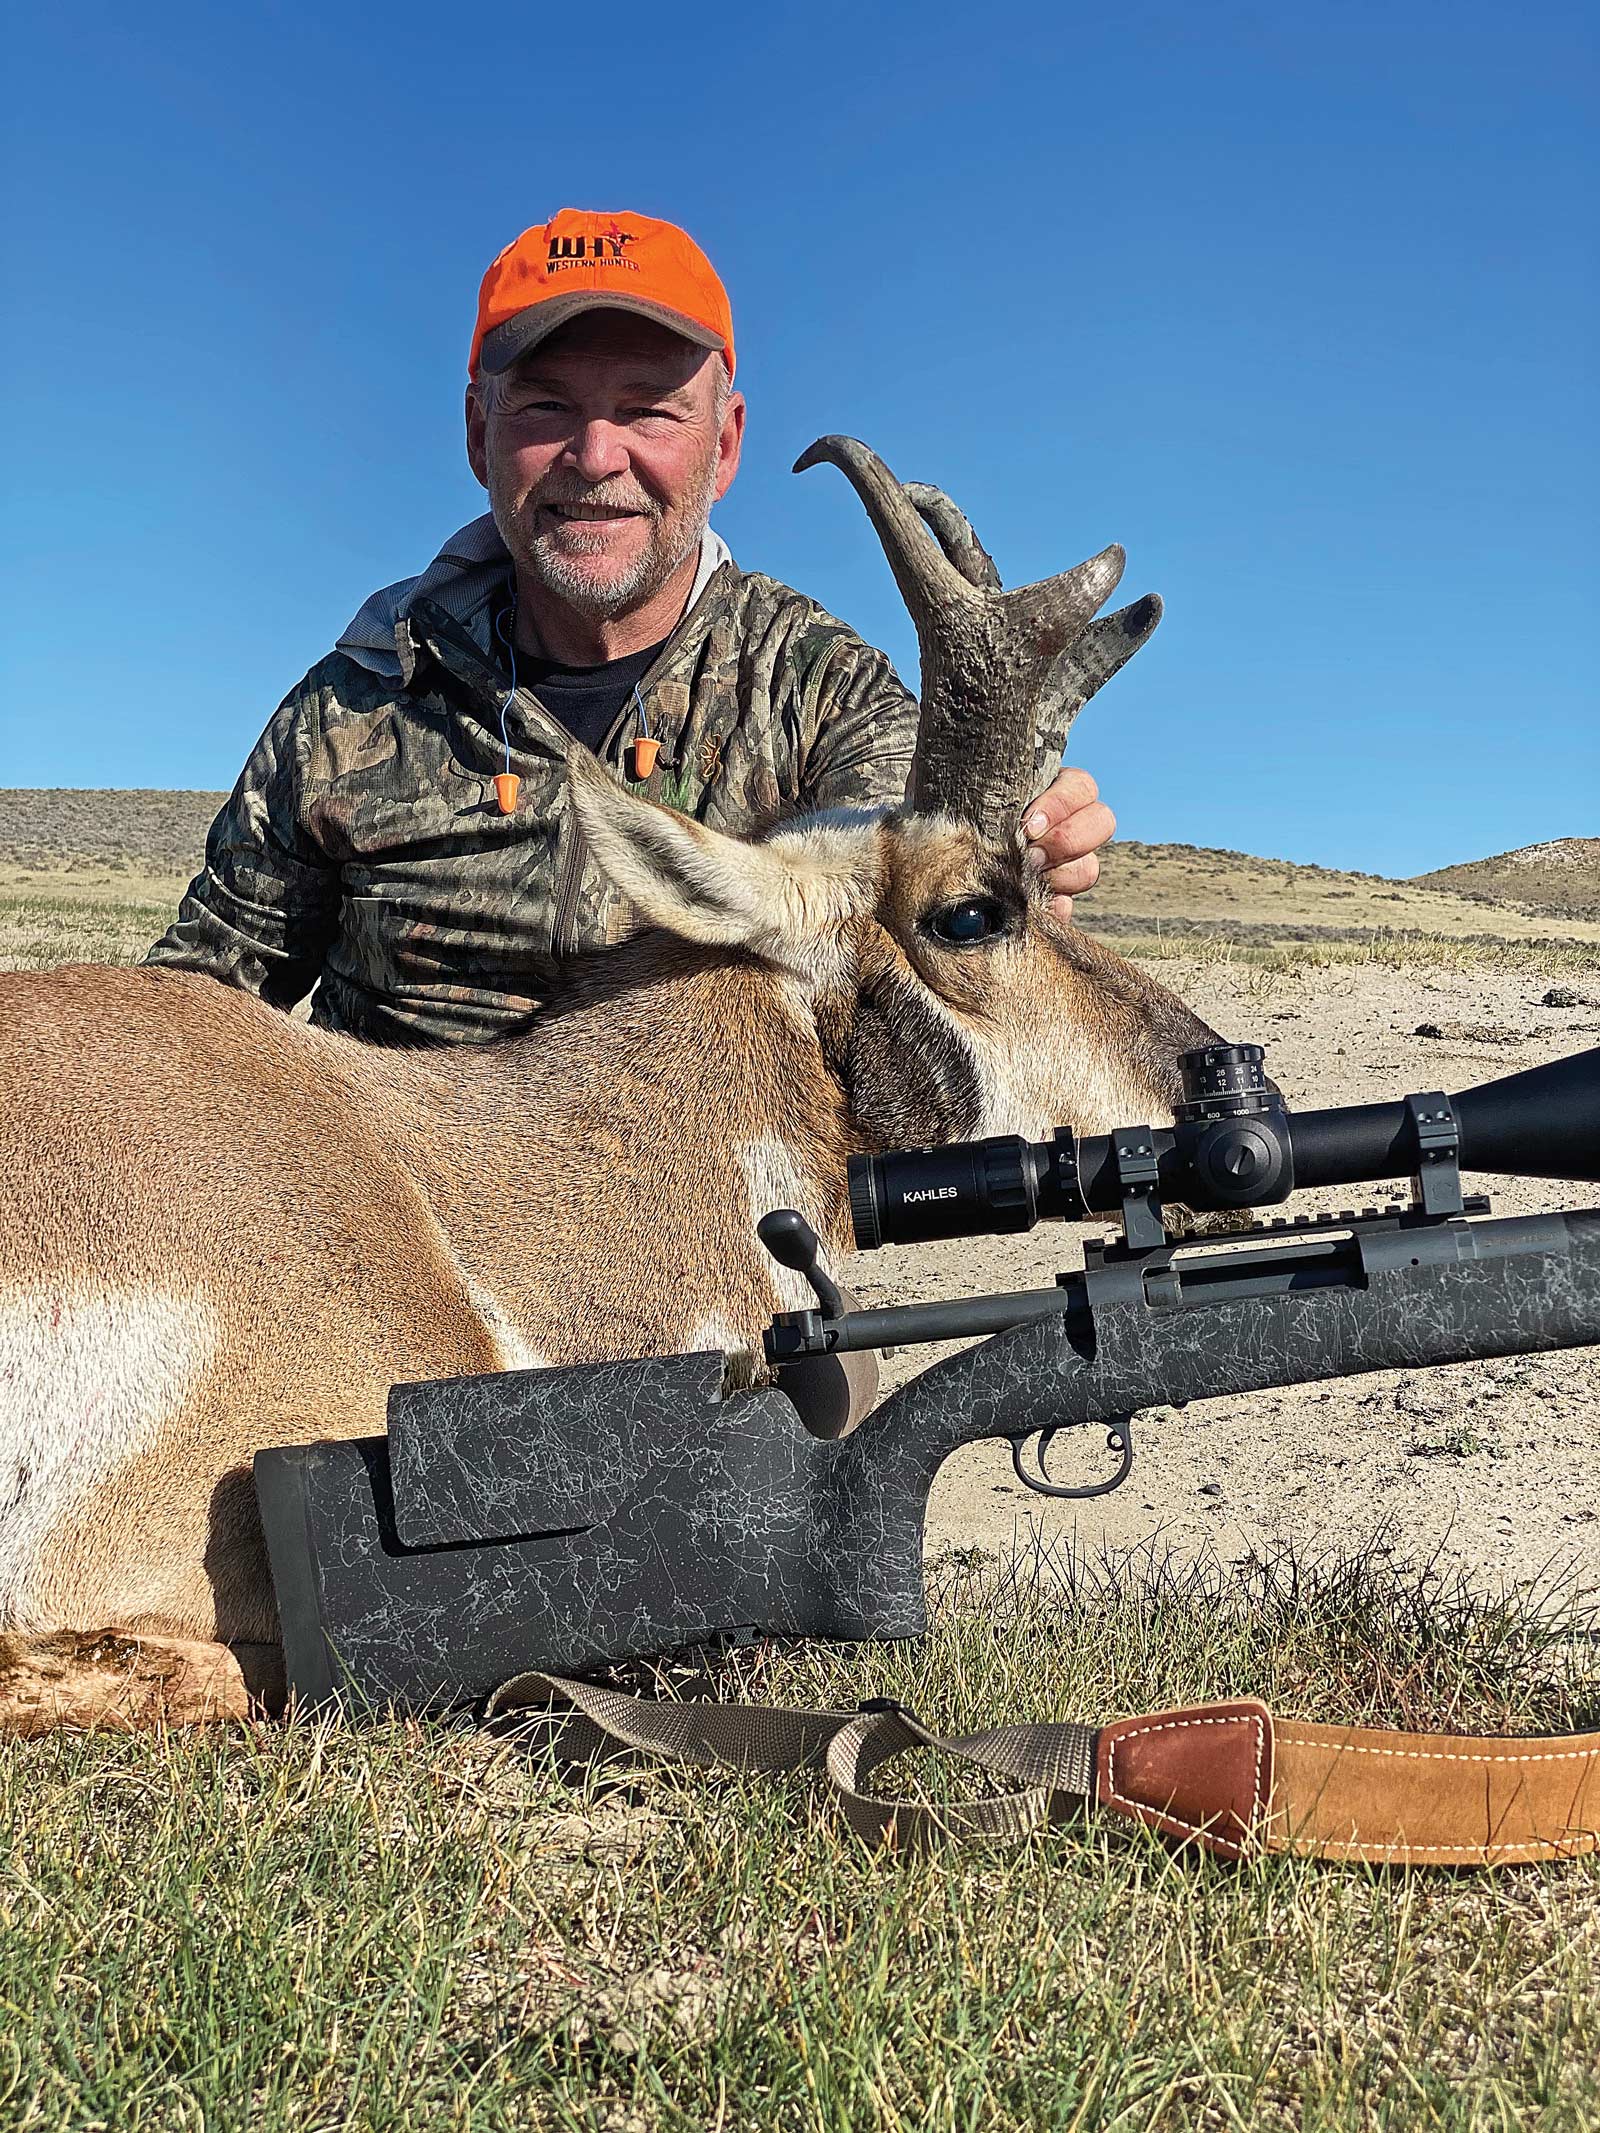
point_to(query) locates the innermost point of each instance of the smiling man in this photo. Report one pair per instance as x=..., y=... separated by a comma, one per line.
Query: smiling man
x=400, y=839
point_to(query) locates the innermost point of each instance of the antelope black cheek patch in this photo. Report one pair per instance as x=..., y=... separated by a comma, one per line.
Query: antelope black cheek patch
x=911, y=1079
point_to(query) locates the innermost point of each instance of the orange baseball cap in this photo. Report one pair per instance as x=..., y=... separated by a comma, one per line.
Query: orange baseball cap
x=586, y=262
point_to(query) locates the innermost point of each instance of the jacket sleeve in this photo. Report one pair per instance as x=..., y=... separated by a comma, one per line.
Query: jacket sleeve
x=263, y=909
x=864, y=730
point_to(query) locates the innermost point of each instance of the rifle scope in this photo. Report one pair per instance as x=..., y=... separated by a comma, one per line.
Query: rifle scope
x=1233, y=1143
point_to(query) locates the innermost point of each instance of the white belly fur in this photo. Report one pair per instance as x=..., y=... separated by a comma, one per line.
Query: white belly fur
x=86, y=1384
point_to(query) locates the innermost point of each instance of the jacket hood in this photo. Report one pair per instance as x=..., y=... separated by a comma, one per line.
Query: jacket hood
x=463, y=580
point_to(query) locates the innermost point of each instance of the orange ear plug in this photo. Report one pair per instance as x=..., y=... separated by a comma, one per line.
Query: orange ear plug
x=644, y=752
x=506, y=786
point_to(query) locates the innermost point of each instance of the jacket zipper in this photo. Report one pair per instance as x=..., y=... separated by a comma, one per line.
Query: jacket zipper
x=563, y=927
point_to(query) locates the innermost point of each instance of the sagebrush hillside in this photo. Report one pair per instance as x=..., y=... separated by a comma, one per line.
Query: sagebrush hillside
x=1563, y=875
x=137, y=832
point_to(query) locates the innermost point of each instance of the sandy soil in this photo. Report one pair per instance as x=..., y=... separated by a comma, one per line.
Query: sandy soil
x=1496, y=1466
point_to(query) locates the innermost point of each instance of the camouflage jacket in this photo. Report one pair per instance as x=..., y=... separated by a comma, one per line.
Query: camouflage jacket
x=362, y=852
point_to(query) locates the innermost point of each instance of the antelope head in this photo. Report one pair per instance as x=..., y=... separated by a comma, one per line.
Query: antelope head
x=947, y=999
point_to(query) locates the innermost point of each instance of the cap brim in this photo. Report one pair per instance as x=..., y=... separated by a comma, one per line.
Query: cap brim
x=513, y=337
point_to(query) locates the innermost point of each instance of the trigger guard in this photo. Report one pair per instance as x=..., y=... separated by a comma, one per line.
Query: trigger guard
x=1119, y=1438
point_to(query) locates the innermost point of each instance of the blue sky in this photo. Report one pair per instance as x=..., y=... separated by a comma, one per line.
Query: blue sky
x=1297, y=303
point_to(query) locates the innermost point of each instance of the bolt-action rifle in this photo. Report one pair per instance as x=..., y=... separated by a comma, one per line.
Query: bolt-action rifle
x=561, y=1519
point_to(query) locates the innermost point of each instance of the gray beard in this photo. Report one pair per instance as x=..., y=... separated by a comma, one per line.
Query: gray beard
x=559, y=572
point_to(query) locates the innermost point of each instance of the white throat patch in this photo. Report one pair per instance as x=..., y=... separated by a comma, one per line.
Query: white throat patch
x=775, y=1179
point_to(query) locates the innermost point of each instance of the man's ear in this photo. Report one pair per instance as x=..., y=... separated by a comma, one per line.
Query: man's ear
x=477, y=441
x=780, y=903
x=729, y=444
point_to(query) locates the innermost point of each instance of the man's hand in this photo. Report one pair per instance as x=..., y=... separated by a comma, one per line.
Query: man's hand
x=1065, y=828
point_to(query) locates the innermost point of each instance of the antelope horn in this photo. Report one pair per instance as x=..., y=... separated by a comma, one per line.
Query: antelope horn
x=985, y=653
x=922, y=571
x=956, y=537
x=1087, y=664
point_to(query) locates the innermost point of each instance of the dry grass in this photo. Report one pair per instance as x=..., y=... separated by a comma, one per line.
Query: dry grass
x=1185, y=887
x=117, y=841
x=1281, y=957
x=68, y=918
x=406, y=1925
x=93, y=913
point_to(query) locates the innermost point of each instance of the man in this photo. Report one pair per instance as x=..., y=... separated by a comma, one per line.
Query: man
x=400, y=838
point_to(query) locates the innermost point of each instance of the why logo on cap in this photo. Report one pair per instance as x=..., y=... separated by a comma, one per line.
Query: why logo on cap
x=608, y=246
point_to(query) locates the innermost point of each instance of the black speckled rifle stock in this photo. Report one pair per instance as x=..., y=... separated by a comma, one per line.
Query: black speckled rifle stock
x=557, y=1519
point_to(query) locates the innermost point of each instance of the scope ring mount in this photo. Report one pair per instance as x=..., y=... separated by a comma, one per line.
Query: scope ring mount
x=1119, y=1438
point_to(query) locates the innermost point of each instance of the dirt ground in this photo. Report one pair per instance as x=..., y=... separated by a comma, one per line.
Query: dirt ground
x=1493, y=1466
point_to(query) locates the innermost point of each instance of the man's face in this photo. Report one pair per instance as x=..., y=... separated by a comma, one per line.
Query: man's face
x=603, y=452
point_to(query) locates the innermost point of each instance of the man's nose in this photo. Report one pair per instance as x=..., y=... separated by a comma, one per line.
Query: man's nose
x=597, y=451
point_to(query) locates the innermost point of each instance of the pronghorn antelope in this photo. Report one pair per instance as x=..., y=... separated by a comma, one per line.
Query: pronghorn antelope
x=221, y=1229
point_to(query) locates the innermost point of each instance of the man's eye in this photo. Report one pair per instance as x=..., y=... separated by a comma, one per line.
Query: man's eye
x=967, y=924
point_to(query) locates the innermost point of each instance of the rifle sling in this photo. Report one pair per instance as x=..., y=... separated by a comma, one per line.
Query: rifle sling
x=1226, y=1776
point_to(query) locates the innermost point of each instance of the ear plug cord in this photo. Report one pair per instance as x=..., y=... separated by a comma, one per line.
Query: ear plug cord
x=507, y=784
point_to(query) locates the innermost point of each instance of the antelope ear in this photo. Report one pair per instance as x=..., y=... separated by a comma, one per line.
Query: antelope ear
x=697, y=882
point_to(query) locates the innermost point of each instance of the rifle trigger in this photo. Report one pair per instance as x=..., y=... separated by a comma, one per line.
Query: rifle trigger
x=1119, y=1438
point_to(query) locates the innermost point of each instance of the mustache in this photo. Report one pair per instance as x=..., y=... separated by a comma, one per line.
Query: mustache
x=607, y=495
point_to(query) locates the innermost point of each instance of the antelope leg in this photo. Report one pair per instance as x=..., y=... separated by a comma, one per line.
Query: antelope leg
x=81, y=1679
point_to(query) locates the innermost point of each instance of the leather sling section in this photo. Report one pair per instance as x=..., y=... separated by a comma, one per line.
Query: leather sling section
x=1226, y=1776
x=1435, y=1799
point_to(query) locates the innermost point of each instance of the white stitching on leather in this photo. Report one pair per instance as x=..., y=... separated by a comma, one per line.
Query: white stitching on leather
x=1207, y=1831
x=1395, y=1851
x=1432, y=1755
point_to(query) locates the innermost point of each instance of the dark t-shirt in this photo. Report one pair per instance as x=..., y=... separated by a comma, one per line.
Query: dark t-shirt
x=588, y=700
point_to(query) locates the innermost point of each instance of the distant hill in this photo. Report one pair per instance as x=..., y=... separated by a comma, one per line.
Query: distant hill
x=110, y=840
x=1563, y=875
x=127, y=832
x=1184, y=888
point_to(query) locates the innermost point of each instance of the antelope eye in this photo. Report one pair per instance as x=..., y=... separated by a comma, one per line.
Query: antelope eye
x=966, y=924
